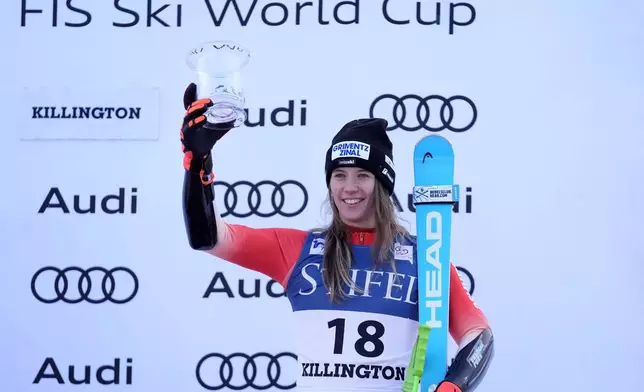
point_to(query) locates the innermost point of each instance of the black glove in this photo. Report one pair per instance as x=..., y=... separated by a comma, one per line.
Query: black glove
x=198, y=141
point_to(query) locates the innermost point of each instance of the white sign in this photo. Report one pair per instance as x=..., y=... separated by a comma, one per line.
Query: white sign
x=100, y=113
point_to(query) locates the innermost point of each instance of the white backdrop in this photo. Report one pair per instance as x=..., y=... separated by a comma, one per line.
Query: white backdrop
x=553, y=238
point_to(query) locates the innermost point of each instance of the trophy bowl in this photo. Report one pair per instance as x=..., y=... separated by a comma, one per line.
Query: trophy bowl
x=219, y=65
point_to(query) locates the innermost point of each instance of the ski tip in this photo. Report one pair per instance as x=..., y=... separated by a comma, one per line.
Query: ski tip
x=431, y=147
x=434, y=139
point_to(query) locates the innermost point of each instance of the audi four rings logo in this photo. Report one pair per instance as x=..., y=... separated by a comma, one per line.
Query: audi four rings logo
x=433, y=113
x=94, y=285
x=265, y=199
x=238, y=371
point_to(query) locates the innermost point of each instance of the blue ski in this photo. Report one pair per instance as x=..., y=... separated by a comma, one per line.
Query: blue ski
x=434, y=194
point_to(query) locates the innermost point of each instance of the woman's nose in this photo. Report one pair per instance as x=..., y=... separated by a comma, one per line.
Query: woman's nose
x=351, y=185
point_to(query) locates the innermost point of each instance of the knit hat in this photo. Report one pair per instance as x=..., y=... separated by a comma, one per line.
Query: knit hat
x=363, y=143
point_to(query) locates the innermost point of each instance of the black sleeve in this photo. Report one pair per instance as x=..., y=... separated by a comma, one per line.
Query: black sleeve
x=471, y=363
x=199, y=212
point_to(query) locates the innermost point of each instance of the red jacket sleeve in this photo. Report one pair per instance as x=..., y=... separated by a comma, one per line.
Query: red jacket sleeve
x=464, y=315
x=270, y=251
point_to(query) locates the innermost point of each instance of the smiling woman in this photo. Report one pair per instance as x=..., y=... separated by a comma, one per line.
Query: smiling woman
x=352, y=190
x=353, y=285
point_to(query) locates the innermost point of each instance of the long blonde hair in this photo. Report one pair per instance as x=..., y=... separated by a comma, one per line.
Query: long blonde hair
x=337, y=257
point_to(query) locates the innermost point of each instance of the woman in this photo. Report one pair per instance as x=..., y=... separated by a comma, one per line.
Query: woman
x=354, y=293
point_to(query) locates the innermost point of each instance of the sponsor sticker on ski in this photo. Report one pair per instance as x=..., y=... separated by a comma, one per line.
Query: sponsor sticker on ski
x=436, y=194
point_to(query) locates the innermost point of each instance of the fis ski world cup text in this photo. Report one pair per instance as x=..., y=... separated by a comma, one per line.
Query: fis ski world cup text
x=444, y=16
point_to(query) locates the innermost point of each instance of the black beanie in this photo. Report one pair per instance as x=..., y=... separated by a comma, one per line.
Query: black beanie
x=363, y=143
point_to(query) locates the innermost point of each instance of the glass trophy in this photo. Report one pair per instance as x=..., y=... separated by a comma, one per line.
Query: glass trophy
x=218, y=65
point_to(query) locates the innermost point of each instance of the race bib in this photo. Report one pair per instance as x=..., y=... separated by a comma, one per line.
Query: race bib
x=345, y=350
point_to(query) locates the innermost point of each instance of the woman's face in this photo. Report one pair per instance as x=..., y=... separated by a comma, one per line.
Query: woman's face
x=352, y=190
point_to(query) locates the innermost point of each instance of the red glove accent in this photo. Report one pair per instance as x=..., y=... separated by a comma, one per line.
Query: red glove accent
x=446, y=386
x=193, y=118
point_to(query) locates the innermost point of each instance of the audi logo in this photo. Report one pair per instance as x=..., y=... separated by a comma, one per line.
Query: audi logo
x=400, y=250
x=265, y=199
x=467, y=278
x=433, y=113
x=55, y=286
x=238, y=371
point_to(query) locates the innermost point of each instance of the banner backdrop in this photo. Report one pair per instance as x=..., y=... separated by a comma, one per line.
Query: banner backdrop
x=542, y=101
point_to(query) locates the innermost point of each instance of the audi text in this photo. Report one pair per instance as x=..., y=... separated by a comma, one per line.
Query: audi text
x=119, y=372
x=244, y=289
x=285, y=116
x=120, y=203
